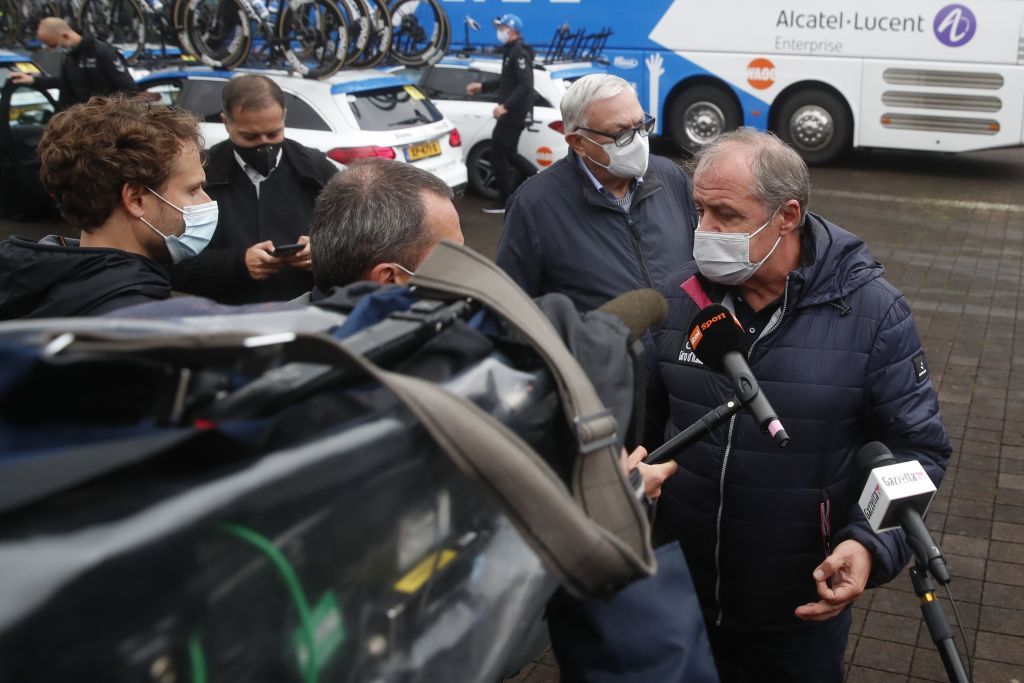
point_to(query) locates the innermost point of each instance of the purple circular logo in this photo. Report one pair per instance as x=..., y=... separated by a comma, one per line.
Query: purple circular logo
x=954, y=25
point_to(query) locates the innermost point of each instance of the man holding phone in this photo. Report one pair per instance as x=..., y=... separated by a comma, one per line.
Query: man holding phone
x=266, y=186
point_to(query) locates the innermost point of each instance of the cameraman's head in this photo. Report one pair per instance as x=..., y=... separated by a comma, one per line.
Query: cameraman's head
x=124, y=173
x=377, y=221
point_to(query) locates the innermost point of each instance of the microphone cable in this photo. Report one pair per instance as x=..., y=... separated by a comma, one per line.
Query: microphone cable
x=963, y=634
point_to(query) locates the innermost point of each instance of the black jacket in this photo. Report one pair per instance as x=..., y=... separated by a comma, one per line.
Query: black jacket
x=840, y=365
x=515, y=87
x=56, y=278
x=91, y=68
x=562, y=235
x=281, y=214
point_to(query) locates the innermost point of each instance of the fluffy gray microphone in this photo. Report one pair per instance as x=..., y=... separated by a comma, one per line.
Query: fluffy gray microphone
x=638, y=309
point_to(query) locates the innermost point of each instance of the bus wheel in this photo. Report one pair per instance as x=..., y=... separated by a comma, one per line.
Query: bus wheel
x=817, y=124
x=700, y=114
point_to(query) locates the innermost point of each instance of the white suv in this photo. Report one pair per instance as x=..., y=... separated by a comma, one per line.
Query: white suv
x=542, y=142
x=353, y=114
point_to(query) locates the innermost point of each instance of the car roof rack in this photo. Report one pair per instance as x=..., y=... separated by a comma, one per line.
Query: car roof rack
x=566, y=45
x=576, y=46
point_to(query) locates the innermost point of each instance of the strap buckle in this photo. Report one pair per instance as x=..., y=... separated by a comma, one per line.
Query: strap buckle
x=595, y=431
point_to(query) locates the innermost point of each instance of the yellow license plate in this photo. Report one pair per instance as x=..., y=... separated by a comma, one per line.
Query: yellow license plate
x=423, y=151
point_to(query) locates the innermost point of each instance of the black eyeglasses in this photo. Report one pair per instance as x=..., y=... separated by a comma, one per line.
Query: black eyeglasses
x=626, y=137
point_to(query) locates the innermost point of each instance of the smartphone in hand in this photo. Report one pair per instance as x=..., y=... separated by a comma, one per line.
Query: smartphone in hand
x=287, y=249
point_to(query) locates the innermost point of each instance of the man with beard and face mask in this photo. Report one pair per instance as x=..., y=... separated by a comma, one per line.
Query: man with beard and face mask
x=266, y=186
x=90, y=66
x=127, y=176
x=609, y=217
x=515, y=102
x=775, y=540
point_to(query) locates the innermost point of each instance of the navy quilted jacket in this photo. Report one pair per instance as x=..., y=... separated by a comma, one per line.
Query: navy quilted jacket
x=838, y=366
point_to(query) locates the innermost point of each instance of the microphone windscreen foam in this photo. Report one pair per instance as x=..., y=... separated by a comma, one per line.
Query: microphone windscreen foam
x=714, y=332
x=872, y=455
x=638, y=309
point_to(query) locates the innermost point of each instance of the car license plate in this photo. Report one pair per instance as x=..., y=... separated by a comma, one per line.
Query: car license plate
x=423, y=151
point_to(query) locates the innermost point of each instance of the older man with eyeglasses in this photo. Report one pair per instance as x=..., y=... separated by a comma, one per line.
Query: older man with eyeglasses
x=609, y=217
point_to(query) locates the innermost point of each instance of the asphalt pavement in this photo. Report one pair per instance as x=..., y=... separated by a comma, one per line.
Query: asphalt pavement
x=950, y=231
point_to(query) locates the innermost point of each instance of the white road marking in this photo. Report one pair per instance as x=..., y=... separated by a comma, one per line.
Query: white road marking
x=919, y=201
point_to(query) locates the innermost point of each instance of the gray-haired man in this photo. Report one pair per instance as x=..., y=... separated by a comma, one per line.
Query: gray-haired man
x=606, y=219
x=376, y=221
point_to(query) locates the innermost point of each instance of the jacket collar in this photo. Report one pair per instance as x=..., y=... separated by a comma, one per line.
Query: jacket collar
x=221, y=164
x=650, y=184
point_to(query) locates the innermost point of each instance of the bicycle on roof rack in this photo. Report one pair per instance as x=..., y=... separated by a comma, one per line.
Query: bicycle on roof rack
x=19, y=19
x=133, y=25
x=310, y=37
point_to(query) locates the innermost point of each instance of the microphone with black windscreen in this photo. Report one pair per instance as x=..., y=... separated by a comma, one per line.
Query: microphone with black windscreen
x=638, y=309
x=715, y=337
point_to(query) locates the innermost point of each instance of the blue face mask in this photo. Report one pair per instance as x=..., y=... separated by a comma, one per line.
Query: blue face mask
x=200, y=224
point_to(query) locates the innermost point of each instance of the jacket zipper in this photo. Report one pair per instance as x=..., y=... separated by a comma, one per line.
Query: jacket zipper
x=639, y=253
x=725, y=465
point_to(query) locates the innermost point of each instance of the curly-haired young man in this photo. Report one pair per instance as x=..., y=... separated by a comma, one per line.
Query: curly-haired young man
x=129, y=178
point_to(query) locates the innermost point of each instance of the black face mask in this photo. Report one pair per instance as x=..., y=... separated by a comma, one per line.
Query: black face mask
x=263, y=158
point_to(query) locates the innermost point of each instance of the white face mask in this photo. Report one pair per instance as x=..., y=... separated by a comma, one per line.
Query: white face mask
x=503, y=35
x=625, y=162
x=200, y=224
x=724, y=257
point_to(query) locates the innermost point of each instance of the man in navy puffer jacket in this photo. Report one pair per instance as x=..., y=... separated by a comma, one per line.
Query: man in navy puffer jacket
x=776, y=544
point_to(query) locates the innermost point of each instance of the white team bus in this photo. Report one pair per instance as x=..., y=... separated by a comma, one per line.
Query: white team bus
x=825, y=75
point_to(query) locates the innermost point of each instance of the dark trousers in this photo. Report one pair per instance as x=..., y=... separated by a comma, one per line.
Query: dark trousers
x=506, y=160
x=810, y=653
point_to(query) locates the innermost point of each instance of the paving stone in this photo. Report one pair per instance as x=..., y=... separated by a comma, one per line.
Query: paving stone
x=1011, y=481
x=1009, y=466
x=965, y=545
x=884, y=655
x=968, y=526
x=898, y=602
x=1002, y=595
x=927, y=664
x=891, y=628
x=1004, y=531
x=1009, y=497
x=1005, y=572
x=986, y=671
x=1007, y=552
x=860, y=674
x=1001, y=620
x=965, y=567
x=963, y=507
x=998, y=647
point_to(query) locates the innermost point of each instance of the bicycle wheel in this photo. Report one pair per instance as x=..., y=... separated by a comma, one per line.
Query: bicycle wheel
x=315, y=37
x=122, y=23
x=218, y=32
x=10, y=21
x=357, y=18
x=380, y=38
x=421, y=33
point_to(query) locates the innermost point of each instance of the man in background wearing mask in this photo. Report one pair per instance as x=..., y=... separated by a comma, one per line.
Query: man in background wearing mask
x=127, y=176
x=266, y=186
x=90, y=66
x=775, y=541
x=608, y=218
x=515, y=102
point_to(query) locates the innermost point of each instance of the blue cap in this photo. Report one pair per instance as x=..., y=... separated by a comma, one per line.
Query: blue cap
x=511, y=21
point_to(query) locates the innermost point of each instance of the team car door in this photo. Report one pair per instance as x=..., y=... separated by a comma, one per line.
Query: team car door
x=25, y=111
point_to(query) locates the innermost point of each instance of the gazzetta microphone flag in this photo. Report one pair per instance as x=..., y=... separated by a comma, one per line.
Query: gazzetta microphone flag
x=890, y=487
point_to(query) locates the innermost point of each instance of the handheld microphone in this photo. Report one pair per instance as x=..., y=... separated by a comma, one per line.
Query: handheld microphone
x=897, y=495
x=638, y=309
x=715, y=336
